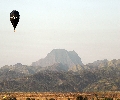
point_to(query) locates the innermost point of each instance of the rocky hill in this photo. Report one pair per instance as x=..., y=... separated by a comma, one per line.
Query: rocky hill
x=103, y=64
x=54, y=81
x=61, y=71
x=68, y=58
x=56, y=60
x=19, y=68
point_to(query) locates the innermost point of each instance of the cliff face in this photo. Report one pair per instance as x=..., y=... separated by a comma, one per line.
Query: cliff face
x=69, y=58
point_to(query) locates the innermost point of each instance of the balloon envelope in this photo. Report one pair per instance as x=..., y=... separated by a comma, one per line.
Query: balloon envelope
x=14, y=18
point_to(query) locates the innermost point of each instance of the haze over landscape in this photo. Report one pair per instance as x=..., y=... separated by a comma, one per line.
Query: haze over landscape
x=91, y=28
x=61, y=71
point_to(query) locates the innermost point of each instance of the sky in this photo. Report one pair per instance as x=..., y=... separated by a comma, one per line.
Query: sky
x=89, y=27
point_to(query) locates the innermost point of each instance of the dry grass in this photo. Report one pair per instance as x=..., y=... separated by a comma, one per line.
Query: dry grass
x=59, y=96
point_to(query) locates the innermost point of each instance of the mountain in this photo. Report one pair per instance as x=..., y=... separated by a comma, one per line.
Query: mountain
x=103, y=64
x=49, y=81
x=61, y=71
x=97, y=64
x=19, y=68
x=68, y=58
x=54, y=81
x=98, y=76
x=56, y=60
x=10, y=75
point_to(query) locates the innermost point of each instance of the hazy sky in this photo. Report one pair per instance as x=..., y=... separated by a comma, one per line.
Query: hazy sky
x=90, y=27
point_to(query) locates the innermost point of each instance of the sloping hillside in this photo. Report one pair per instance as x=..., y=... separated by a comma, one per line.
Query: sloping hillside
x=48, y=81
x=69, y=58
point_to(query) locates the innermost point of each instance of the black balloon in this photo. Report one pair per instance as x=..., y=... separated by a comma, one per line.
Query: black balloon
x=14, y=18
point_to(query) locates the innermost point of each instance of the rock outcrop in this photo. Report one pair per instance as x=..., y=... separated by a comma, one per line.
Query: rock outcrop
x=68, y=58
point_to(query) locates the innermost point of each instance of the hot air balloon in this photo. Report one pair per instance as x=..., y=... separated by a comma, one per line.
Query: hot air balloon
x=14, y=18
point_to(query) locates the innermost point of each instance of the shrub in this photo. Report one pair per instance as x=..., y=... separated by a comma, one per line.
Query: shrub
x=9, y=98
x=108, y=98
x=27, y=98
x=51, y=99
x=79, y=98
x=30, y=98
